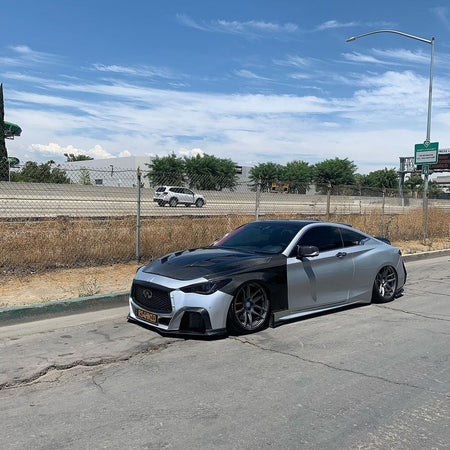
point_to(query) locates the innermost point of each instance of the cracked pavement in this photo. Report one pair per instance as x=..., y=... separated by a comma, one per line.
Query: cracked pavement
x=374, y=376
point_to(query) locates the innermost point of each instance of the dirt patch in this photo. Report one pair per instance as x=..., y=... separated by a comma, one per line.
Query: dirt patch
x=26, y=289
x=30, y=288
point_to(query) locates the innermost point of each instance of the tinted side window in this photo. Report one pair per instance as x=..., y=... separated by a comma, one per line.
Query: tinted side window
x=176, y=190
x=350, y=237
x=323, y=237
x=161, y=189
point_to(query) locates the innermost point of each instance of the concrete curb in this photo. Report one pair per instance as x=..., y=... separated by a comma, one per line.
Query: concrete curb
x=39, y=311
x=423, y=255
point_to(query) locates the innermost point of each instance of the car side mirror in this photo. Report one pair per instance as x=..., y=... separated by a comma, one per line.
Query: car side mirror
x=309, y=251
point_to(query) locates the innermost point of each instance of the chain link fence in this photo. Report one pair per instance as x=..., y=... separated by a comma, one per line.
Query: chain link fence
x=103, y=216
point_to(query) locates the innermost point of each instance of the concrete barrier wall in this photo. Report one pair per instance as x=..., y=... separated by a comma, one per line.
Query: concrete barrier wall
x=34, y=200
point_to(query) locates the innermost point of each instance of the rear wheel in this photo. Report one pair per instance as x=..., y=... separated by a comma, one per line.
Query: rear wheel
x=250, y=309
x=173, y=202
x=385, y=285
x=199, y=203
x=160, y=203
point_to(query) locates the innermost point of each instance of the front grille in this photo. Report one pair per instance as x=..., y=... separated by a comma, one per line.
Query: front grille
x=152, y=298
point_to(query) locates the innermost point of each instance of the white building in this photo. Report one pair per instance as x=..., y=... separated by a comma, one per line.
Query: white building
x=443, y=182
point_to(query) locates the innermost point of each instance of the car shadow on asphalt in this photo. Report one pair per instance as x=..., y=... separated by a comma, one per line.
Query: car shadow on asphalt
x=197, y=337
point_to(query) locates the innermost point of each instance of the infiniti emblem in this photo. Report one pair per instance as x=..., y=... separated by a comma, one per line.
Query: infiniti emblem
x=147, y=293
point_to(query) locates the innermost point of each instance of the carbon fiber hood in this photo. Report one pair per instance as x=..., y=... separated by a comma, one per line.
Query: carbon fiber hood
x=207, y=262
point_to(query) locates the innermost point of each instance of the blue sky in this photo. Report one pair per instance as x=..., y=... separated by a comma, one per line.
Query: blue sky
x=253, y=81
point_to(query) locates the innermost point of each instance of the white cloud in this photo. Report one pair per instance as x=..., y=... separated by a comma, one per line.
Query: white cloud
x=54, y=149
x=294, y=60
x=191, y=152
x=243, y=73
x=253, y=25
x=251, y=28
x=329, y=24
x=442, y=13
x=141, y=71
x=404, y=55
x=125, y=119
x=359, y=57
x=24, y=56
x=185, y=20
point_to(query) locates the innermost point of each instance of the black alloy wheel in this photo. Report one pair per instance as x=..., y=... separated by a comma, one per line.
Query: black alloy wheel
x=250, y=309
x=385, y=285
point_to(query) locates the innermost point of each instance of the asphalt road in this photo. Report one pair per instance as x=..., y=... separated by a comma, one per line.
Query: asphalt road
x=370, y=377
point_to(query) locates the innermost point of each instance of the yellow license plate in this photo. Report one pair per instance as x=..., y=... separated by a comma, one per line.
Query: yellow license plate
x=147, y=316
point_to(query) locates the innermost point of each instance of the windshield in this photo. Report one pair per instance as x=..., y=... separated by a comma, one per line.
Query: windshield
x=262, y=237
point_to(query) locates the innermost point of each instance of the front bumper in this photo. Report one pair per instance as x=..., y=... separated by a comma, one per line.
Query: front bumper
x=187, y=313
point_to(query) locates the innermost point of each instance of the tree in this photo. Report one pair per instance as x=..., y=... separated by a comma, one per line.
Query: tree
x=208, y=172
x=384, y=178
x=266, y=173
x=335, y=171
x=167, y=170
x=85, y=177
x=33, y=172
x=298, y=174
x=71, y=157
x=434, y=191
x=414, y=183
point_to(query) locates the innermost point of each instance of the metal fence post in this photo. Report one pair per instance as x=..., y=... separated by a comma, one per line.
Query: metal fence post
x=138, y=215
x=382, y=211
x=258, y=199
x=425, y=209
x=328, y=201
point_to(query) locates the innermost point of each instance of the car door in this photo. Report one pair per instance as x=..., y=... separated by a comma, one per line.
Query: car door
x=361, y=253
x=321, y=280
x=188, y=195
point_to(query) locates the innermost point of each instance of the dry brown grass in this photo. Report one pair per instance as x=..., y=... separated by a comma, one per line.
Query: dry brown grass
x=29, y=246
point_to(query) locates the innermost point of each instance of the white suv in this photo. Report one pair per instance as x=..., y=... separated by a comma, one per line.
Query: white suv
x=173, y=195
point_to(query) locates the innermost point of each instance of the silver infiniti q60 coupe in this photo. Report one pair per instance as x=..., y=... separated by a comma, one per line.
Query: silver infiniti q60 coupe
x=264, y=273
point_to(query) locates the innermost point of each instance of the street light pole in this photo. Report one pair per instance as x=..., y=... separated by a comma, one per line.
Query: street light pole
x=430, y=93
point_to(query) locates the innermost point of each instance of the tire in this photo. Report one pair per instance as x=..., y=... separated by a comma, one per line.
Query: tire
x=160, y=203
x=249, y=310
x=385, y=285
x=199, y=203
x=173, y=202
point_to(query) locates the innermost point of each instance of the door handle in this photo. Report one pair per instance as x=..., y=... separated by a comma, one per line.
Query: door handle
x=341, y=254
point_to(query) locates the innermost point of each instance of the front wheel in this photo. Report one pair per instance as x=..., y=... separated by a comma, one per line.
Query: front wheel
x=250, y=309
x=199, y=203
x=385, y=285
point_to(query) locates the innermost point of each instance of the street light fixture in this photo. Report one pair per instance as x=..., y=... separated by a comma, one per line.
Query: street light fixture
x=430, y=91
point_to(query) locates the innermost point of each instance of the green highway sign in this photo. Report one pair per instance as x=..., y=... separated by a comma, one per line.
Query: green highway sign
x=426, y=153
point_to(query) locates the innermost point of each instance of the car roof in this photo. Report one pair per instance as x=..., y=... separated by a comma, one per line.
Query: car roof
x=303, y=223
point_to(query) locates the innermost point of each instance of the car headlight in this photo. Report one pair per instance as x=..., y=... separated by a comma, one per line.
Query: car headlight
x=206, y=288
